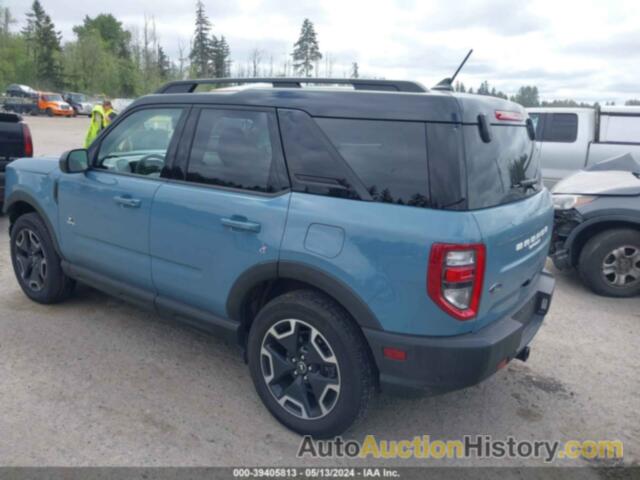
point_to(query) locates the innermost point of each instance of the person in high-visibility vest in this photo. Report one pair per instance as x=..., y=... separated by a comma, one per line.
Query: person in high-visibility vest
x=101, y=116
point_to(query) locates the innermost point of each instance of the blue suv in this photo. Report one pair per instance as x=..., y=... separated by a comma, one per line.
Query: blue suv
x=350, y=238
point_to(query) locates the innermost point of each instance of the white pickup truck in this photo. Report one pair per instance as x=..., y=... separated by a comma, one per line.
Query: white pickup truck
x=570, y=139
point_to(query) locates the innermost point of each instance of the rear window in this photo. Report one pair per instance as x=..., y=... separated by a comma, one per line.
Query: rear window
x=389, y=157
x=503, y=170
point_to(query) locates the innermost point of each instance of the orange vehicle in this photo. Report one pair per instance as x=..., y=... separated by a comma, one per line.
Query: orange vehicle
x=52, y=104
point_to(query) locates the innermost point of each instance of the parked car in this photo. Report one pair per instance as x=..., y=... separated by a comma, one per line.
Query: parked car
x=571, y=139
x=401, y=244
x=79, y=102
x=20, y=99
x=15, y=142
x=52, y=104
x=597, y=226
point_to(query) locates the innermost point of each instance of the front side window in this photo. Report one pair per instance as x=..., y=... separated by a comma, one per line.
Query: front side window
x=389, y=157
x=139, y=144
x=235, y=149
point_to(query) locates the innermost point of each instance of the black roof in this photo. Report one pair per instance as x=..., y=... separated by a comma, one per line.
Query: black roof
x=376, y=102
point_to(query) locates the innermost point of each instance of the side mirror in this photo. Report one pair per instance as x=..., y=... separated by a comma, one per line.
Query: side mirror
x=74, y=161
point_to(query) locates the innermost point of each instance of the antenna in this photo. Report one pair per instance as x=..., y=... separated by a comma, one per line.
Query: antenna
x=447, y=83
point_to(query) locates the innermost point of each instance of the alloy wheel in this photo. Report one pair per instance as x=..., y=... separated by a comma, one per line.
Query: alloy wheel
x=31, y=259
x=621, y=266
x=300, y=369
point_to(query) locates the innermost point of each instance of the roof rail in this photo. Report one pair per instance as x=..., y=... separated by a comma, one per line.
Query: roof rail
x=189, y=86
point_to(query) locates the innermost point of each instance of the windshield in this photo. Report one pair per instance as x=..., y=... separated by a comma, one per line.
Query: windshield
x=53, y=98
x=506, y=169
x=77, y=97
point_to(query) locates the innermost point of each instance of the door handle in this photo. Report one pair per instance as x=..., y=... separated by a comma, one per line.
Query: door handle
x=240, y=223
x=127, y=201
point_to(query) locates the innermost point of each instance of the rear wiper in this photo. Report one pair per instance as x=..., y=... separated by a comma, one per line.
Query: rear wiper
x=526, y=183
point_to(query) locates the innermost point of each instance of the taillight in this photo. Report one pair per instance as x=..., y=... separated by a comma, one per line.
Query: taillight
x=454, y=279
x=28, y=142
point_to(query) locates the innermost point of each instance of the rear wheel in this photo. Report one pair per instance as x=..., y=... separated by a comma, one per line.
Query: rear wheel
x=36, y=263
x=310, y=364
x=610, y=263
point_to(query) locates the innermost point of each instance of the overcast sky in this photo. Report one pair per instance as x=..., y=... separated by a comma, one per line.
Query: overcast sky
x=587, y=50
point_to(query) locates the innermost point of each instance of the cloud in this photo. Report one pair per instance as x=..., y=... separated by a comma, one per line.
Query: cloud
x=587, y=50
x=502, y=17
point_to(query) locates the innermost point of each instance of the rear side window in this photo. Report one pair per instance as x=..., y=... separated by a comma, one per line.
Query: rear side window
x=235, y=149
x=314, y=166
x=389, y=157
x=555, y=127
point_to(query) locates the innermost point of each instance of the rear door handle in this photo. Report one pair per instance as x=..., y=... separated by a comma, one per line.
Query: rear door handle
x=127, y=201
x=240, y=223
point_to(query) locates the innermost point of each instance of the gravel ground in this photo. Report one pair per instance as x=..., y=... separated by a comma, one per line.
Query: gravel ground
x=97, y=382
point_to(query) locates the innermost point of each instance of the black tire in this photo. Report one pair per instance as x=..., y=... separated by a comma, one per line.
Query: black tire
x=354, y=367
x=49, y=112
x=599, y=268
x=53, y=285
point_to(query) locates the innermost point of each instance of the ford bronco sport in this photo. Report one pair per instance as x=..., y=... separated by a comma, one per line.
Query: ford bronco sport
x=381, y=236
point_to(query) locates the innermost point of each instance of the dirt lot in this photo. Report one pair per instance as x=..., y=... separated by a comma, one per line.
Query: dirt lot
x=98, y=382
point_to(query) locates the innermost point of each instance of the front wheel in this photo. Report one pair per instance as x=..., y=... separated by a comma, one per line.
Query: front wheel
x=310, y=364
x=36, y=263
x=610, y=263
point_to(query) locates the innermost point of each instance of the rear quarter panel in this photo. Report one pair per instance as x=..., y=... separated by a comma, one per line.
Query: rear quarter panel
x=517, y=237
x=381, y=251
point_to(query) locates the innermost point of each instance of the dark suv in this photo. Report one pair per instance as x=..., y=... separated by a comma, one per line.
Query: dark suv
x=353, y=238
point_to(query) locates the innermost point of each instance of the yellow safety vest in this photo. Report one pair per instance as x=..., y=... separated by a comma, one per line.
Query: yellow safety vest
x=99, y=121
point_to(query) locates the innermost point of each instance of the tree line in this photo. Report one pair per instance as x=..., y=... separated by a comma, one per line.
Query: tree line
x=107, y=58
x=528, y=96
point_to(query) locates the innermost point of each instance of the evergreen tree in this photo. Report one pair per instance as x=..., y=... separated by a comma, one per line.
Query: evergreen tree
x=306, y=50
x=355, y=70
x=35, y=17
x=459, y=87
x=221, y=53
x=527, y=96
x=43, y=44
x=201, y=55
x=50, y=67
x=164, y=64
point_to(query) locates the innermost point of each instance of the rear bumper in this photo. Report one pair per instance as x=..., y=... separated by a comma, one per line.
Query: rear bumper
x=441, y=364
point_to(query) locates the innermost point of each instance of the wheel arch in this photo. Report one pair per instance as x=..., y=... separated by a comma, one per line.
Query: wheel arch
x=261, y=283
x=20, y=203
x=581, y=235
